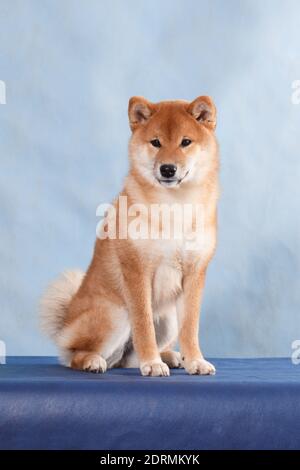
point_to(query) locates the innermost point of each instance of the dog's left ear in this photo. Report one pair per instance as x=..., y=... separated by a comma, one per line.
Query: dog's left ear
x=204, y=111
x=139, y=111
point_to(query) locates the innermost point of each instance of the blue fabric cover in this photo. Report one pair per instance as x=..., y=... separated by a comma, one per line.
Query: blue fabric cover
x=249, y=404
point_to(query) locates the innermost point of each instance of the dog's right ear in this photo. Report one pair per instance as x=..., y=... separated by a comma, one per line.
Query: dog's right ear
x=139, y=111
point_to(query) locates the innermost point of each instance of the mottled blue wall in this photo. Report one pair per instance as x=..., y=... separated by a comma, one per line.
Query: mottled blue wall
x=69, y=68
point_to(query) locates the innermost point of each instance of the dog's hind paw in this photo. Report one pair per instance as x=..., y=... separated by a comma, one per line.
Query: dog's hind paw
x=172, y=358
x=89, y=362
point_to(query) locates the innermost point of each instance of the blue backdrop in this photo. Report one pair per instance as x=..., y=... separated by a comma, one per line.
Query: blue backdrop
x=70, y=67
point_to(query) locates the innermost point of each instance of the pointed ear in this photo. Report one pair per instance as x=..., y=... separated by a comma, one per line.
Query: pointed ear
x=139, y=111
x=204, y=111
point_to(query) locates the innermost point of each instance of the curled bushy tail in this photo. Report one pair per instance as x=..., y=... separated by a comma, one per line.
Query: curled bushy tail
x=56, y=299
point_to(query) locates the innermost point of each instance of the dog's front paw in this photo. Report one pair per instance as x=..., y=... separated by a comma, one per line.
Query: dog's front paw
x=199, y=367
x=155, y=369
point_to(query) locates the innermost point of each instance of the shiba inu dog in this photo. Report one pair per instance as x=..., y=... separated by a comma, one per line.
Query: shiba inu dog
x=139, y=296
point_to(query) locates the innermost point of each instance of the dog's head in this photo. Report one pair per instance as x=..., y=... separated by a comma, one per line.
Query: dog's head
x=173, y=142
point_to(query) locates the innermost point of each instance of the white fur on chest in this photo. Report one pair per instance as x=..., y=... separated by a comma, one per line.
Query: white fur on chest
x=169, y=258
x=172, y=256
x=167, y=282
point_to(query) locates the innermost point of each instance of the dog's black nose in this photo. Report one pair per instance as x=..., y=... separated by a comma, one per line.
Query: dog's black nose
x=168, y=171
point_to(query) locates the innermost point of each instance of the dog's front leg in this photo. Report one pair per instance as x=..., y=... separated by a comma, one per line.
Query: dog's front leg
x=138, y=297
x=188, y=311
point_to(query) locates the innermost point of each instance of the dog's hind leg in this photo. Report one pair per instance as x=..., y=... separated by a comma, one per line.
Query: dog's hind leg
x=166, y=328
x=95, y=339
x=172, y=358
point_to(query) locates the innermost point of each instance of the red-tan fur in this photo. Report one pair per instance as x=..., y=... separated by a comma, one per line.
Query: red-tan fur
x=148, y=290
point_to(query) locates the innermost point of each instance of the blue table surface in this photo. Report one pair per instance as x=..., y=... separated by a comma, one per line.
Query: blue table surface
x=248, y=404
x=260, y=371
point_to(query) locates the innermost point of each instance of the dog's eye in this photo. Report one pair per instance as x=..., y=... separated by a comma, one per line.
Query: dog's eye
x=155, y=143
x=185, y=142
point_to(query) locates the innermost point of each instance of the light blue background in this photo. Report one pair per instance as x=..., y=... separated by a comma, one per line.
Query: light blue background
x=69, y=68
